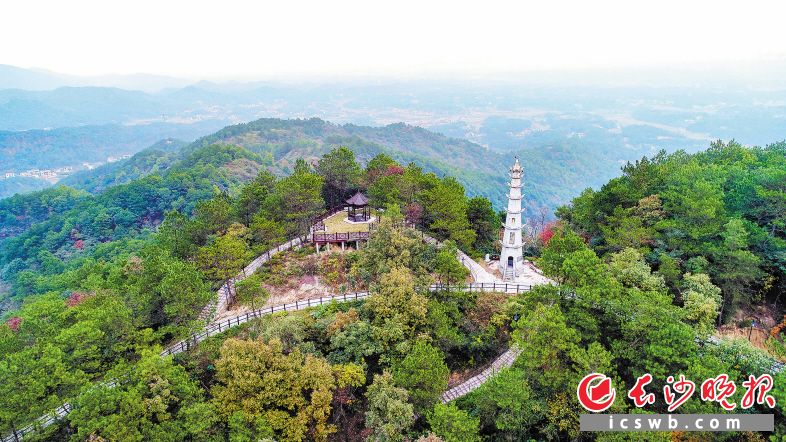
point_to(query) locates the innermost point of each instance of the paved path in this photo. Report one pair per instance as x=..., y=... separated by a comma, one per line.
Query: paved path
x=503, y=361
x=220, y=304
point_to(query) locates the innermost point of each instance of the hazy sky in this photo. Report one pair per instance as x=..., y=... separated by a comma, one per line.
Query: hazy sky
x=230, y=38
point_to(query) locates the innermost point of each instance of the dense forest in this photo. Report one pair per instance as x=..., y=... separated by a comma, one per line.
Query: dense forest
x=643, y=266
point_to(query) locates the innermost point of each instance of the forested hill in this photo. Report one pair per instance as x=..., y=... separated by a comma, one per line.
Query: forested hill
x=721, y=212
x=282, y=142
x=552, y=175
x=44, y=230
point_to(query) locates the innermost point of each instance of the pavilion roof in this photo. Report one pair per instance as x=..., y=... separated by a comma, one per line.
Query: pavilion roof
x=358, y=200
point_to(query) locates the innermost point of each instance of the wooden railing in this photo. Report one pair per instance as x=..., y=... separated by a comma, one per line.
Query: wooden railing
x=322, y=237
x=482, y=287
x=234, y=321
x=224, y=325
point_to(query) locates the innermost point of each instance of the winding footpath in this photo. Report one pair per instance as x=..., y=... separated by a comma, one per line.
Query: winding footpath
x=487, y=283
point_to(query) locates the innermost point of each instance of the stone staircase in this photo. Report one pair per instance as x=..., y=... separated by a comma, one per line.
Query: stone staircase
x=508, y=276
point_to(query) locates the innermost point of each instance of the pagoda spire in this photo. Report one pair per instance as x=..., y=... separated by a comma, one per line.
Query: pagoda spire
x=511, y=258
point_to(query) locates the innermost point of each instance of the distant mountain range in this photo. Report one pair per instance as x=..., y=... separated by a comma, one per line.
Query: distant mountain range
x=570, y=135
x=12, y=77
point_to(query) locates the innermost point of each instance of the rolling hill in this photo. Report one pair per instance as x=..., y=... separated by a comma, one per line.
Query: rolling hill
x=553, y=174
x=555, y=170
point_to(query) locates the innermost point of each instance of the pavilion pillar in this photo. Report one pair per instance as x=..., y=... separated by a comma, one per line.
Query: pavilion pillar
x=357, y=245
x=316, y=244
x=342, y=246
x=327, y=246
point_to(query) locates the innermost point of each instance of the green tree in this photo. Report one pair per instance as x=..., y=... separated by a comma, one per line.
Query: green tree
x=389, y=415
x=298, y=200
x=224, y=258
x=377, y=166
x=701, y=302
x=447, y=265
x=453, y=424
x=384, y=191
x=629, y=268
x=176, y=235
x=148, y=401
x=102, y=332
x=446, y=211
x=508, y=406
x=253, y=196
x=34, y=381
x=485, y=222
x=396, y=309
x=250, y=291
x=669, y=269
x=213, y=215
x=739, y=271
x=340, y=173
x=392, y=247
x=545, y=341
x=423, y=373
x=562, y=244
x=266, y=233
x=167, y=294
x=354, y=343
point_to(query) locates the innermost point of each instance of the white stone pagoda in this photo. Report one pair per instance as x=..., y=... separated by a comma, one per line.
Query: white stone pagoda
x=511, y=258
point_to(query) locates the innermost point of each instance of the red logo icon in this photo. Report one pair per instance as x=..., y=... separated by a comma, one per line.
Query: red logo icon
x=595, y=392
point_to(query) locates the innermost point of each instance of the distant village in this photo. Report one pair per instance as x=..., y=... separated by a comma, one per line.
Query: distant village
x=60, y=172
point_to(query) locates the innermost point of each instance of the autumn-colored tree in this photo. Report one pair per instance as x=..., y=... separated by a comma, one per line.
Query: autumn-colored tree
x=547, y=233
x=291, y=392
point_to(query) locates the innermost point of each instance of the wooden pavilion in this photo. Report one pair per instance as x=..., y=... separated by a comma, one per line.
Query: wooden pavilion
x=357, y=208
